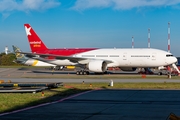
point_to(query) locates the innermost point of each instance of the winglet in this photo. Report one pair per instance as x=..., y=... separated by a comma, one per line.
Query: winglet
x=36, y=44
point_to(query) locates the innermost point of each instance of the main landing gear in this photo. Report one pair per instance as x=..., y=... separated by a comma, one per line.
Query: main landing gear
x=82, y=72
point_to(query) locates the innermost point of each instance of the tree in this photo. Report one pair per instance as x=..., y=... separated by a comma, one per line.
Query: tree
x=7, y=60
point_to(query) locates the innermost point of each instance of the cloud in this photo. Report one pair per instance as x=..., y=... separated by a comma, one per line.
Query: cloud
x=7, y=6
x=122, y=4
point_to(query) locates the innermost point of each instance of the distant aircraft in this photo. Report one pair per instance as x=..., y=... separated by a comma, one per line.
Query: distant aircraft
x=22, y=59
x=95, y=59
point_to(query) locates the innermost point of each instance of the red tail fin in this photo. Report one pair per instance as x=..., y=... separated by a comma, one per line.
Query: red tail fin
x=36, y=44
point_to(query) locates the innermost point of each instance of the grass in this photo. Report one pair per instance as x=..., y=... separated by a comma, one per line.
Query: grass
x=14, y=101
x=127, y=85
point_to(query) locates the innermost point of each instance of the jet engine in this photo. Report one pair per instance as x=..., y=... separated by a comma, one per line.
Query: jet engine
x=128, y=68
x=97, y=66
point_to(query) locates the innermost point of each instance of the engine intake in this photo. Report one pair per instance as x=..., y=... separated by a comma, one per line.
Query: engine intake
x=97, y=66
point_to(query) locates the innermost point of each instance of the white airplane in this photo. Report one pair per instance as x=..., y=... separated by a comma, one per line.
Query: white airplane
x=22, y=59
x=96, y=59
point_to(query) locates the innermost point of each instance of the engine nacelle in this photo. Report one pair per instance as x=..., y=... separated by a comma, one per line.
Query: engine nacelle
x=128, y=68
x=97, y=66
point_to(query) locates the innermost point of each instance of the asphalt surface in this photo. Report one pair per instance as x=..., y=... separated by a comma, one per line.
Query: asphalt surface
x=41, y=72
x=45, y=75
x=104, y=104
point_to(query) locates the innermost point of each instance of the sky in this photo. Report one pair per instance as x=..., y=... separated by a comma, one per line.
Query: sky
x=91, y=23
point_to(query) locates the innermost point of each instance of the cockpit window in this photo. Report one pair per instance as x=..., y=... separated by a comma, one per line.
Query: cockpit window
x=169, y=55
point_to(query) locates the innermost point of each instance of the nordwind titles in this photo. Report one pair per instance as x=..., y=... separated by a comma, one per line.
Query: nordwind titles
x=35, y=42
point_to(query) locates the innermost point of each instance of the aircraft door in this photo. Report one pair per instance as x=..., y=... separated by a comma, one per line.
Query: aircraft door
x=153, y=56
x=125, y=59
x=124, y=56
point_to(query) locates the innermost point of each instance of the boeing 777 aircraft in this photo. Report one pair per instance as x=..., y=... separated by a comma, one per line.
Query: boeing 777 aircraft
x=97, y=59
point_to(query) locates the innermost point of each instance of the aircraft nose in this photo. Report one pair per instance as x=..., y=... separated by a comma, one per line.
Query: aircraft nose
x=174, y=60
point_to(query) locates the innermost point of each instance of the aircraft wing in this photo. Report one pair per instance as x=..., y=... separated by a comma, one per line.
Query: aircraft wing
x=43, y=57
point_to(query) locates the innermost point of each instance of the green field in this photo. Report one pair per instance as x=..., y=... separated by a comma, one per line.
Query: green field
x=14, y=101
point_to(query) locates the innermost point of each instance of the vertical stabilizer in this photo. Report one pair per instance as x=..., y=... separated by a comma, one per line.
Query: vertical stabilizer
x=20, y=58
x=36, y=44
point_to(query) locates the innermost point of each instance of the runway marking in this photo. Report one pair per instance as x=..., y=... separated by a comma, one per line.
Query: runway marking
x=49, y=103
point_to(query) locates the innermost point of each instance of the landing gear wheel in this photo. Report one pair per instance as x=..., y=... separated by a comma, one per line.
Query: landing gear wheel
x=84, y=72
x=81, y=72
x=77, y=73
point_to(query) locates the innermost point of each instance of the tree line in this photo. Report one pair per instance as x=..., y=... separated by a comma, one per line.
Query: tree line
x=8, y=60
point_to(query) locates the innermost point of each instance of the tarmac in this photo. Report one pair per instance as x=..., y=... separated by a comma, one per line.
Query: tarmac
x=102, y=104
x=119, y=104
x=45, y=75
